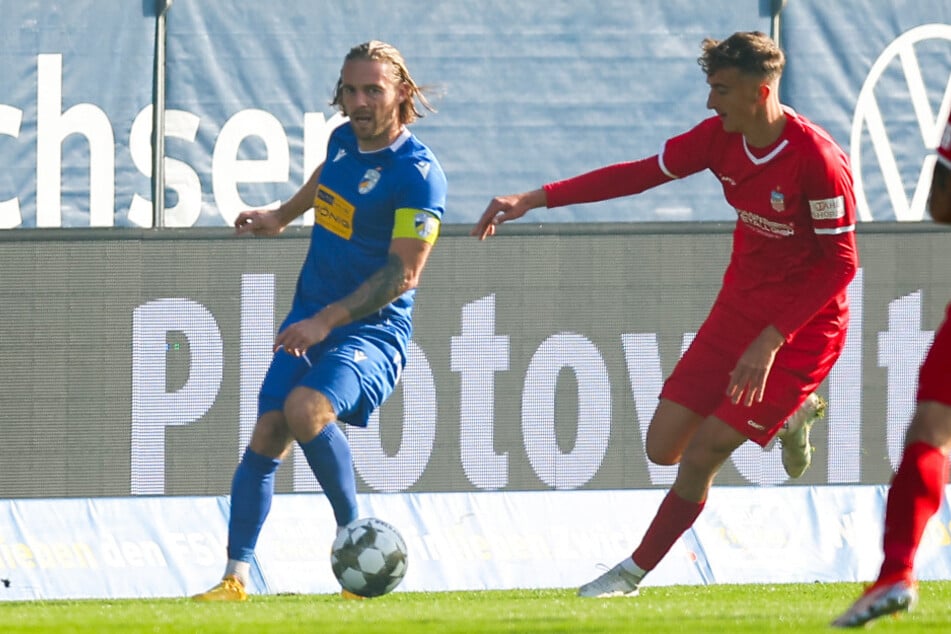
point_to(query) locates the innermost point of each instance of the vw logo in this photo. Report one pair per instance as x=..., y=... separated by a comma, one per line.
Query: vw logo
x=916, y=111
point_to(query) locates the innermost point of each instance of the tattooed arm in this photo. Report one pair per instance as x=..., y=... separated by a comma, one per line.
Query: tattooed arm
x=405, y=264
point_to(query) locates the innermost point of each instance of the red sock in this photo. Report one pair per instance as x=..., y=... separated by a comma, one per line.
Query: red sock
x=674, y=516
x=914, y=496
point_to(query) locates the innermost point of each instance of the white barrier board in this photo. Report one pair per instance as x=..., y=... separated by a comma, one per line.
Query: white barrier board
x=175, y=546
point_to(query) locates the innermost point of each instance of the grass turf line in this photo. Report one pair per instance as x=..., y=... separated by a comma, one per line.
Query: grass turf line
x=720, y=609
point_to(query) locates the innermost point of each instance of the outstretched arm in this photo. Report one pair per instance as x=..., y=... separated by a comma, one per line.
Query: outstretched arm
x=270, y=222
x=504, y=208
x=613, y=181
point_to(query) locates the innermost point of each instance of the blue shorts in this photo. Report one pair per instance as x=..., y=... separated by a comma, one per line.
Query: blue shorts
x=355, y=371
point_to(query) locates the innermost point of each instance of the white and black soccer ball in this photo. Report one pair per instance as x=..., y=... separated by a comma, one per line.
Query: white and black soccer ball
x=369, y=557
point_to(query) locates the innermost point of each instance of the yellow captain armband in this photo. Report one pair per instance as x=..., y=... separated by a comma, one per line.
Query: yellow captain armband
x=416, y=223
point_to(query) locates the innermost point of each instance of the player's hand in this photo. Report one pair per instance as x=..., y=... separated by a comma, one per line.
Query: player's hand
x=504, y=208
x=258, y=222
x=301, y=335
x=748, y=378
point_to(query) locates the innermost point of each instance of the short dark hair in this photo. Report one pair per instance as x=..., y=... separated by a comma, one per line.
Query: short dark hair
x=751, y=52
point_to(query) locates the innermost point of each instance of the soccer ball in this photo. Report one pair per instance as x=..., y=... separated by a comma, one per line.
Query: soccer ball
x=368, y=557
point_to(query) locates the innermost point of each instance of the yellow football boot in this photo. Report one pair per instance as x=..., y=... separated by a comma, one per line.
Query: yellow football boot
x=230, y=589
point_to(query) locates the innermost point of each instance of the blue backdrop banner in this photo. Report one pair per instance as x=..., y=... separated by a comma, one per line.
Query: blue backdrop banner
x=75, y=112
x=524, y=97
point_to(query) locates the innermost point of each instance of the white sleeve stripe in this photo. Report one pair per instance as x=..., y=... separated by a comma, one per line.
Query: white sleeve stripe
x=834, y=231
x=660, y=160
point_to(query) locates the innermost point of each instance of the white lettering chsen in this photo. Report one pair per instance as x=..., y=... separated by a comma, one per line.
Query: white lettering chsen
x=827, y=208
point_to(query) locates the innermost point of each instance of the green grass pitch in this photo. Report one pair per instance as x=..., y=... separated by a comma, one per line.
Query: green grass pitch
x=723, y=609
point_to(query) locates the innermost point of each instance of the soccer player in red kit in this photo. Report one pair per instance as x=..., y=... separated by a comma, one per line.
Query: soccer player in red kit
x=917, y=489
x=779, y=322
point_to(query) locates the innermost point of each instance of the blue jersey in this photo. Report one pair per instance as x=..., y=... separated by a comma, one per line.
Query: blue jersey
x=355, y=206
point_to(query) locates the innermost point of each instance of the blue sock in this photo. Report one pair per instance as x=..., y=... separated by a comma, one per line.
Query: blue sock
x=251, y=491
x=329, y=457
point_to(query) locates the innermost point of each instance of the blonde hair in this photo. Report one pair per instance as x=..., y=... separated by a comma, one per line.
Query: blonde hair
x=378, y=51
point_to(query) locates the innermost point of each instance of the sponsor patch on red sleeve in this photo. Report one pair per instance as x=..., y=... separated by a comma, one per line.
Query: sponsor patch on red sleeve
x=827, y=208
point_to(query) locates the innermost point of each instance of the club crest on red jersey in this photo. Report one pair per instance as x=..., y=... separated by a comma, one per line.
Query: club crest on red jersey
x=777, y=201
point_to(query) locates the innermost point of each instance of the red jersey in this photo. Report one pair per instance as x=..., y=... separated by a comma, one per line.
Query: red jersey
x=794, y=243
x=794, y=249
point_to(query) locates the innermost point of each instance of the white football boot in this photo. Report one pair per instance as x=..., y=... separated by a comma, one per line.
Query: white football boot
x=879, y=600
x=619, y=581
x=794, y=435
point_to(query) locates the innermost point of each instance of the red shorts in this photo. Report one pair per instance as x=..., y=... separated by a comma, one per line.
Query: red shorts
x=934, y=377
x=700, y=379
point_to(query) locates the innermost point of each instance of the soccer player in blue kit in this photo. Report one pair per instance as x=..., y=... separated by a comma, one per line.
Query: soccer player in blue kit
x=378, y=198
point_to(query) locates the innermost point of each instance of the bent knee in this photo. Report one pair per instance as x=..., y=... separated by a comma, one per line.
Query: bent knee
x=670, y=430
x=662, y=455
x=931, y=424
x=307, y=412
x=270, y=436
